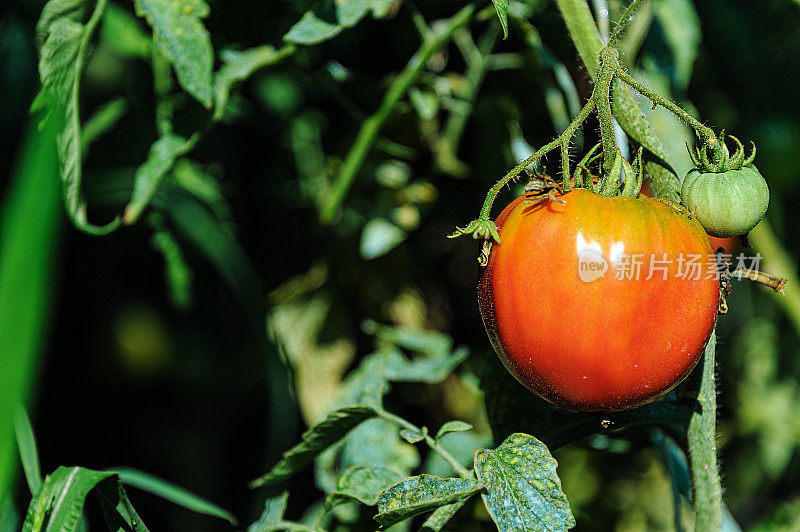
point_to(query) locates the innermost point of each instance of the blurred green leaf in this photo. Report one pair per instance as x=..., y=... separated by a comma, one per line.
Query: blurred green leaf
x=329, y=19
x=274, y=508
x=501, y=6
x=315, y=440
x=379, y=237
x=415, y=495
x=453, y=426
x=398, y=368
x=104, y=119
x=149, y=175
x=179, y=33
x=58, y=504
x=171, y=492
x=364, y=483
x=30, y=231
x=121, y=32
x=312, y=30
x=26, y=444
x=681, y=25
x=524, y=491
x=425, y=103
x=430, y=343
x=238, y=66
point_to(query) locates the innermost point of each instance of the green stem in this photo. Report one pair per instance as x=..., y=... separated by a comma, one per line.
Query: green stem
x=477, y=58
x=372, y=125
x=703, y=449
x=162, y=86
x=563, y=138
x=609, y=61
x=705, y=132
x=622, y=24
x=462, y=471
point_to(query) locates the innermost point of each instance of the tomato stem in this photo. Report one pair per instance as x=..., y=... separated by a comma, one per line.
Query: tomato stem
x=771, y=281
x=623, y=22
x=702, y=445
x=462, y=471
x=706, y=133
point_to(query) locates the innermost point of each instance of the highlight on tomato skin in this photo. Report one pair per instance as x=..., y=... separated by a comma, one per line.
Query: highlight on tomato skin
x=597, y=342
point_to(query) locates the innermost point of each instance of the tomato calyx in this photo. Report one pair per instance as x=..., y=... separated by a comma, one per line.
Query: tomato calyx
x=716, y=157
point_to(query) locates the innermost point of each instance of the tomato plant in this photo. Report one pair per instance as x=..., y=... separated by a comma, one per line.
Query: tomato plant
x=572, y=330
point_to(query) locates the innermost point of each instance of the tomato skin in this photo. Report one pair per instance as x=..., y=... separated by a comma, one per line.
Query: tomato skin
x=729, y=244
x=607, y=344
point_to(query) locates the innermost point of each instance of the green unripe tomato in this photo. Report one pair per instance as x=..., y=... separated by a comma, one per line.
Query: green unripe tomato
x=726, y=203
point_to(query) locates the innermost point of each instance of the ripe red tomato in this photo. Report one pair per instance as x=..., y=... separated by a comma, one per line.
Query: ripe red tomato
x=729, y=244
x=579, y=336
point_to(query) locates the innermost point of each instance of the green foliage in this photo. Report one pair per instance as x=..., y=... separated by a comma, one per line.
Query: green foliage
x=523, y=491
x=122, y=33
x=453, y=426
x=30, y=231
x=239, y=66
x=271, y=517
x=415, y=495
x=60, y=68
x=149, y=175
x=329, y=19
x=28, y=452
x=388, y=131
x=501, y=6
x=58, y=504
x=364, y=483
x=315, y=440
x=180, y=35
x=175, y=494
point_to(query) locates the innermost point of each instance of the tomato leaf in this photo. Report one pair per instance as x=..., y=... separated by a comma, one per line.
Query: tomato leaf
x=524, y=491
x=501, y=6
x=274, y=508
x=60, y=66
x=431, y=343
x=58, y=504
x=415, y=495
x=315, y=440
x=149, y=175
x=412, y=436
x=54, y=10
x=180, y=35
x=329, y=19
x=237, y=67
x=122, y=33
x=453, y=426
x=364, y=483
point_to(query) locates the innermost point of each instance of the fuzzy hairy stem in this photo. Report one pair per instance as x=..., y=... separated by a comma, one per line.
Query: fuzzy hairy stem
x=705, y=132
x=609, y=61
x=562, y=139
x=703, y=449
x=371, y=126
x=623, y=22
